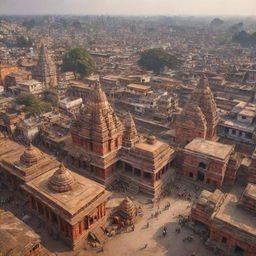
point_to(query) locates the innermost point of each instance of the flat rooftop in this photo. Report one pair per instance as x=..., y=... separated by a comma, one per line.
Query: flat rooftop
x=149, y=147
x=209, y=148
x=236, y=216
x=15, y=235
x=79, y=199
x=139, y=87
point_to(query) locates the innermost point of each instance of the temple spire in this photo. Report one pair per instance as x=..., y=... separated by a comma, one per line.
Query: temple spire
x=130, y=133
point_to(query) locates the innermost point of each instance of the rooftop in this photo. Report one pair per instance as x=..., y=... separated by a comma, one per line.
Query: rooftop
x=210, y=148
x=15, y=235
x=235, y=216
x=139, y=87
x=70, y=203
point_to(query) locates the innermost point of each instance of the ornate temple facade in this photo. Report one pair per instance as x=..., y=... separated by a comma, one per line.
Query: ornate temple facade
x=70, y=205
x=96, y=139
x=104, y=149
x=45, y=70
x=199, y=117
x=229, y=220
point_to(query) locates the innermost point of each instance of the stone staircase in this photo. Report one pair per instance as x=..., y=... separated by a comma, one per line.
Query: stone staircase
x=132, y=188
x=99, y=235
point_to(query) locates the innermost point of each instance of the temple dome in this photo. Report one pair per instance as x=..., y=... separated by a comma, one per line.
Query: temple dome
x=30, y=156
x=62, y=180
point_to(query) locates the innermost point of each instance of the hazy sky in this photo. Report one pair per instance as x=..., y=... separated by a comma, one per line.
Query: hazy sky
x=176, y=7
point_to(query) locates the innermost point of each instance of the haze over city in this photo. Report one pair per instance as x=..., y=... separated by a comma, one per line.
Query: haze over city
x=129, y=7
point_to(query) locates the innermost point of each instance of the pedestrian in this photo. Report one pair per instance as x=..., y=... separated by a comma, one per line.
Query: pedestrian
x=133, y=227
x=147, y=224
x=145, y=246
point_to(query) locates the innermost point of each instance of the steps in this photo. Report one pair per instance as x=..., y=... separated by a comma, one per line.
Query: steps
x=132, y=188
x=99, y=235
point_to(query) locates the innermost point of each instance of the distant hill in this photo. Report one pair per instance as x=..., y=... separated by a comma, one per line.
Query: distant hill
x=244, y=38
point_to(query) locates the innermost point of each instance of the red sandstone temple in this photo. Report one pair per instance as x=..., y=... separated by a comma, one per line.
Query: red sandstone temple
x=211, y=163
x=107, y=151
x=70, y=205
x=230, y=220
x=199, y=117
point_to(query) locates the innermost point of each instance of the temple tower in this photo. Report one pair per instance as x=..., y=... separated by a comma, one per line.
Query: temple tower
x=130, y=137
x=199, y=117
x=45, y=70
x=96, y=137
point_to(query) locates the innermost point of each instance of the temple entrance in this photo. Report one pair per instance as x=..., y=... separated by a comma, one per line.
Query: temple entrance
x=200, y=176
x=239, y=251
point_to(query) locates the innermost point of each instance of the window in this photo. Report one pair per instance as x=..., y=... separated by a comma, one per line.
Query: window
x=248, y=135
x=191, y=175
x=233, y=132
x=243, y=117
x=224, y=240
x=202, y=165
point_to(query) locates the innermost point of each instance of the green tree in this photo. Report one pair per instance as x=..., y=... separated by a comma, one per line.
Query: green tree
x=78, y=61
x=157, y=59
x=244, y=38
x=32, y=106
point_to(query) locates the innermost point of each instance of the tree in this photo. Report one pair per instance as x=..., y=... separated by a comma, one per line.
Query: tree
x=244, y=38
x=32, y=106
x=78, y=61
x=157, y=59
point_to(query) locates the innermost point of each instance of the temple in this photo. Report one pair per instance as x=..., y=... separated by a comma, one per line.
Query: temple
x=104, y=149
x=45, y=70
x=70, y=205
x=19, y=165
x=210, y=163
x=16, y=238
x=229, y=220
x=96, y=139
x=199, y=117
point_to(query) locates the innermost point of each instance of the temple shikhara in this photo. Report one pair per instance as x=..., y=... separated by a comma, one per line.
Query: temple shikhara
x=45, y=70
x=199, y=117
x=106, y=150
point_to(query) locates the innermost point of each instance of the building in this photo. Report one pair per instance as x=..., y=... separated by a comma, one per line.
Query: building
x=230, y=220
x=239, y=127
x=70, y=205
x=17, y=239
x=13, y=78
x=28, y=86
x=199, y=117
x=104, y=151
x=5, y=70
x=210, y=163
x=45, y=70
x=96, y=139
x=20, y=165
x=71, y=105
